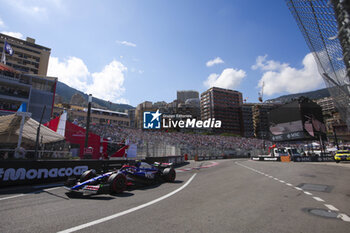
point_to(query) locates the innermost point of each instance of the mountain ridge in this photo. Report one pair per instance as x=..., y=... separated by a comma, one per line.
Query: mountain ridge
x=66, y=92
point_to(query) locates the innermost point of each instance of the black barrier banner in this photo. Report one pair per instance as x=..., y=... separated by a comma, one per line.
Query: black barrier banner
x=313, y=159
x=266, y=158
x=34, y=172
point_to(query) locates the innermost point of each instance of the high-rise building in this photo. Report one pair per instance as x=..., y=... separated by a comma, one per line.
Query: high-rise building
x=327, y=105
x=225, y=105
x=131, y=114
x=28, y=57
x=260, y=119
x=333, y=120
x=247, y=119
x=144, y=106
x=191, y=107
x=182, y=96
x=35, y=91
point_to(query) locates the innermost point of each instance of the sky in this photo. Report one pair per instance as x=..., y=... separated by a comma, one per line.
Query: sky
x=130, y=51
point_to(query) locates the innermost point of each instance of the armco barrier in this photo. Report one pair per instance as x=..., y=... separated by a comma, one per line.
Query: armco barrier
x=24, y=172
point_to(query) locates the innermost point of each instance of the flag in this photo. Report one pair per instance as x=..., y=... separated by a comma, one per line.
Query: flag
x=8, y=48
x=22, y=108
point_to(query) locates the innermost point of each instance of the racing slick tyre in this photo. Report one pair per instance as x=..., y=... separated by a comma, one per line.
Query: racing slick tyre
x=117, y=183
x=87, y=175
x=169, y=174
x=337, y=161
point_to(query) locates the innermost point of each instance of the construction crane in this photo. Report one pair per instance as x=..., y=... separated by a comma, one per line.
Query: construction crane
x=261, y=93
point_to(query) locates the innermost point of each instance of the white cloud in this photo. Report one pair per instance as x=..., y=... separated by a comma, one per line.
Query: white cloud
x=14, y=34
x=2, y=23
x=71, y=71
x=126, y=43
x=281, y=77
x=269, y=65
x=229, y=78
x=215, y=61
x=107, y=84
x=28, y=8
x=38, y=10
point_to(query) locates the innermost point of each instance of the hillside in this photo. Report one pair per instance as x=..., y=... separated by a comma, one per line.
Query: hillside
x=66, y=92
x=318, y=94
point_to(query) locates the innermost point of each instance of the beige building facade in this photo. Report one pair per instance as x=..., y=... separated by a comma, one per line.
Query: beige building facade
x=28, y=56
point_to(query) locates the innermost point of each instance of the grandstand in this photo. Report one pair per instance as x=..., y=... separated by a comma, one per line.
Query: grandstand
x=325, y=25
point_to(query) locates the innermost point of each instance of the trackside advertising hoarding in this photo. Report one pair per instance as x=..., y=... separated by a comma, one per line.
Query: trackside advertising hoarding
x=39, y=172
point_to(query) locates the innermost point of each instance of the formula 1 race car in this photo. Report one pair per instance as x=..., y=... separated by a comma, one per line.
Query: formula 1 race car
x=114, y=182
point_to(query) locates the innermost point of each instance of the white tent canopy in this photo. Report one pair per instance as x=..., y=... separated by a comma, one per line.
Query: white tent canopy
x=10, y=127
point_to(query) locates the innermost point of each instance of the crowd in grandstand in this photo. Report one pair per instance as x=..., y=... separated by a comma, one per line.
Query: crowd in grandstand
x=141, y=137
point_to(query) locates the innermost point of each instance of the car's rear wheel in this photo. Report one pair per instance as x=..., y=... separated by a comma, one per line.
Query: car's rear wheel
x=169, y=174
x=117, y=183
x=87, y=175
x=337, y=161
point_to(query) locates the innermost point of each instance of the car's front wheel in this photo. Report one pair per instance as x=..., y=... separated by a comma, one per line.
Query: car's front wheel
x=117, y=183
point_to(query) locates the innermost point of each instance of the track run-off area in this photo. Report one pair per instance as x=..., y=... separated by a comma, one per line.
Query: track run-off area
x=211, y=196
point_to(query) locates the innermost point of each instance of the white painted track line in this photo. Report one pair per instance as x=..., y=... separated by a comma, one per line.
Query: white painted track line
x=10, y=197
x=318, y=199
x=101, y=220
x=343, y=217
x=330, y=207
x=51, y=188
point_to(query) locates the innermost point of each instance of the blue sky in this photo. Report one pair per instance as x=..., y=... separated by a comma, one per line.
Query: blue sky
x=130, y=51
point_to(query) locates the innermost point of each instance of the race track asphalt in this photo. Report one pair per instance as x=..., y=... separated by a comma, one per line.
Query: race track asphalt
x=233, y=196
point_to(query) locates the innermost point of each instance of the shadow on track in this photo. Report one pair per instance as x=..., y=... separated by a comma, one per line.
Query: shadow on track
x=52, y=194
x=105, y=197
